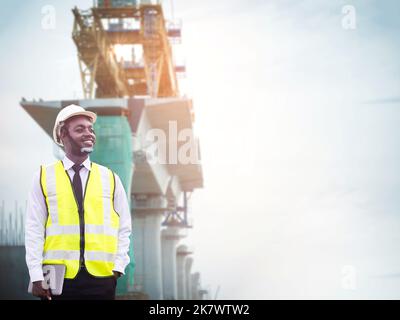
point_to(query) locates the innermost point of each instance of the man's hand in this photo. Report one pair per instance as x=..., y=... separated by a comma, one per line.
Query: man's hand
x=117, y=274
x=38, y=291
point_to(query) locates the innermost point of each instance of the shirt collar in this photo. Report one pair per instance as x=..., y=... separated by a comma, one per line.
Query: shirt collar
x=69, y=163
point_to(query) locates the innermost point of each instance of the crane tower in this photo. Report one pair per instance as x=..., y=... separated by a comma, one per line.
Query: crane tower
x=137, y=29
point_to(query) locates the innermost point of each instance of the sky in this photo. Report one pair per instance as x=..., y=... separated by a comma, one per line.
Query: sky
x=297, y=116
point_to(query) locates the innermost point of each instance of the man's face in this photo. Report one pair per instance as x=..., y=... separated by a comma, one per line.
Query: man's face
x=78, y=134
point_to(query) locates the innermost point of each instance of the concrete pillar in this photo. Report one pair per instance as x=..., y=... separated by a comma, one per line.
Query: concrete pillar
x=203, y=294
x=148, y=216
x=188, y=278
x=138, y=223
x=181, y=254
x=170, y=238
x=195, y=286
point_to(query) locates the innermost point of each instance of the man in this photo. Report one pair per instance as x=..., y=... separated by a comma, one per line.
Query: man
x=77, y=216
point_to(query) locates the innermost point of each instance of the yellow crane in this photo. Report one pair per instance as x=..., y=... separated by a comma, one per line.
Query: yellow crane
x=98, y=33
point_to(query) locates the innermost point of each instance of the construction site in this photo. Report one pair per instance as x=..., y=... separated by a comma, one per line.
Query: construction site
x=144, y=134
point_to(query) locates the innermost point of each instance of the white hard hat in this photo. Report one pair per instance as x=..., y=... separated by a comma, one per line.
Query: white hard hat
x=66, y=113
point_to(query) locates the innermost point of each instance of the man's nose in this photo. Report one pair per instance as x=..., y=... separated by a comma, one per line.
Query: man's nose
x=88, y=132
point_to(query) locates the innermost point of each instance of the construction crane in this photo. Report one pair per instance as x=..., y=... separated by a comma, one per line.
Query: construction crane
x=99, y=33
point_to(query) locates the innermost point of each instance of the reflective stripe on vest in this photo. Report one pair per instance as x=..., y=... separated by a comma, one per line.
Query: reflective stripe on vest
x=74, y=255
x=54, y=230
x=62, y=241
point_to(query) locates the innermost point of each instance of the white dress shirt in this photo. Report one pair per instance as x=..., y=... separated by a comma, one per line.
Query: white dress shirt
x=36, y=217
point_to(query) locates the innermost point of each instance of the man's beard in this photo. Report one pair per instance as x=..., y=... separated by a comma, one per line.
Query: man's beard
x=87, y=150
x=76, y=147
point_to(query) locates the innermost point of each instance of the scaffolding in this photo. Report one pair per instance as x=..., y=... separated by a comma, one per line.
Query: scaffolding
x=12, y=225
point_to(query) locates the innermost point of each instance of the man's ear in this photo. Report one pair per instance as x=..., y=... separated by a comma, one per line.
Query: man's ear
x=63, y=132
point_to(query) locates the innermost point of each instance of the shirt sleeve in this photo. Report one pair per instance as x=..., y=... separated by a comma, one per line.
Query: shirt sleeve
x=36, y=216
x=125, y=226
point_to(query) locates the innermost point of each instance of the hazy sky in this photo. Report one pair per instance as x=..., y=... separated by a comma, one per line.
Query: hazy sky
x=298, y=124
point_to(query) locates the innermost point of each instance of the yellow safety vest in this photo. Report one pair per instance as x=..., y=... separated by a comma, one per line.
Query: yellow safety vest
x=101, y=221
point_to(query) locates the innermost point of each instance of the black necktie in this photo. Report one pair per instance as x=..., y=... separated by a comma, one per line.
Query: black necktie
x=77, y=184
